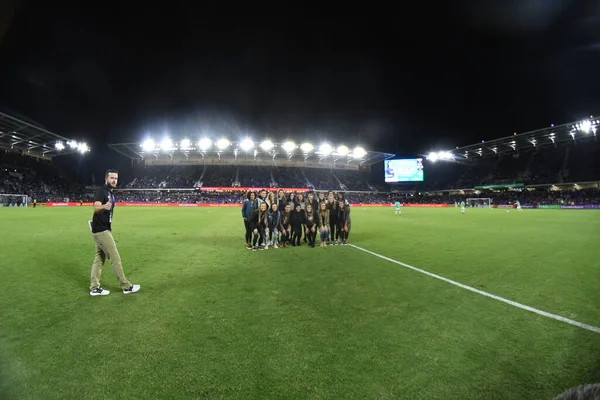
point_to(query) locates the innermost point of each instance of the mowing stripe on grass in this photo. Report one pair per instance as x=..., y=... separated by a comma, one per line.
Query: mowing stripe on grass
x=481, y=292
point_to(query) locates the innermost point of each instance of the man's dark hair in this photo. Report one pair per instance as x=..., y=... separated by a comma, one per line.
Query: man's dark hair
x=110, y=171
x=584, y=392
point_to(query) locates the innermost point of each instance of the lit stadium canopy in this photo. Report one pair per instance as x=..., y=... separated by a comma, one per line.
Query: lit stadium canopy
x=249, y=149
x=30, y=139
x=578, y=131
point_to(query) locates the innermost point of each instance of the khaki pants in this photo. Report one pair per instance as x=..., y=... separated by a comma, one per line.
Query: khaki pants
x=106, y=247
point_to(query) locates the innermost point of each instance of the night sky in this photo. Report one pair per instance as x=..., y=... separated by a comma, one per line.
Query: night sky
x=406, y=79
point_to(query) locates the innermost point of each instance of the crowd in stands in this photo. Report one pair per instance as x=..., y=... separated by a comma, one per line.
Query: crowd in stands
x=182, y=177
x=571, y=163
x=526, y=197
x=43, y=181
x=38, y=179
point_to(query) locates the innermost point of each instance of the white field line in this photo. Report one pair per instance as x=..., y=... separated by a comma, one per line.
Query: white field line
x=481, y=292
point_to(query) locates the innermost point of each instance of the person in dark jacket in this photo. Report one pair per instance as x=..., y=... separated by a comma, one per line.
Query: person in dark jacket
x=284, y=225
x=332, y=206
x=281, y=200
x=342, y=222
x=259, y=223
x=297, y=221
x=310, y=224
x=273, y=217
x=249, y=205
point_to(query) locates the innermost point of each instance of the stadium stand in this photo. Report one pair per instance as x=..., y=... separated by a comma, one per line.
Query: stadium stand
x=561, y=171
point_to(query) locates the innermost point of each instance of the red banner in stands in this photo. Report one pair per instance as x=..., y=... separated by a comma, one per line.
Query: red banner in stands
x=426, y=205
x=246, y=189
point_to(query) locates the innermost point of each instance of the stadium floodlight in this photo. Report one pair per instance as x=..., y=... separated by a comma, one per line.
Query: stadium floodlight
x=222, y=144
x=72, y=144
x=307, y=147
x=185, y=144
x=148, y=145
x=83, y=148
x=325, y=149
x=433, y=156
x=59, y=146
x=585, y=126
x=359, y=152
x=267, y=145
x=166, y=144
x=342, y=150
x=445, y=155
x=247, y=144
x=204, y=144
x=289, y=147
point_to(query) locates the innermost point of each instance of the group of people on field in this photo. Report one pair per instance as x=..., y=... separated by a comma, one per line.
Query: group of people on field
x=286, y=219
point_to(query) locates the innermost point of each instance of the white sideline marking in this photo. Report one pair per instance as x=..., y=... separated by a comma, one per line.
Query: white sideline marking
x=481, y=292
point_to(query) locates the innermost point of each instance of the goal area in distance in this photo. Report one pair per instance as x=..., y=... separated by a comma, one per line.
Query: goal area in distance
x=479, y=202
x=13, y=200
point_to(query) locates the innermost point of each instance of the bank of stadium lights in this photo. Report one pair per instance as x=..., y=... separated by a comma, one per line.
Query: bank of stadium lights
x=246, y=145
x=440, y=155
x=80, y=147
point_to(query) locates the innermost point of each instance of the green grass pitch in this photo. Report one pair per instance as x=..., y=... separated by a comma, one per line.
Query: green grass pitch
x=216, y=321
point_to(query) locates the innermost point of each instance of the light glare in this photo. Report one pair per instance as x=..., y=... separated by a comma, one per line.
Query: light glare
x=325, y=149
x=307, y=147
x=247, y=144
x=204, y=144
x=267, y=145
x=59, y=146
x=166, y=144
x=185, y=144
x=222, y=144
x=289, y=147
x=359, y=152
x=148, y=145
x=343, y=150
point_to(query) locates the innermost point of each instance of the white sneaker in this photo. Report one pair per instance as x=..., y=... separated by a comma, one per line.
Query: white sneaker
x=99, y=292
x=132, y=289
x=275, y=246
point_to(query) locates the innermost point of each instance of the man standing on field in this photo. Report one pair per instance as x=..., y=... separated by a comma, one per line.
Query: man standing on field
x=100, y=225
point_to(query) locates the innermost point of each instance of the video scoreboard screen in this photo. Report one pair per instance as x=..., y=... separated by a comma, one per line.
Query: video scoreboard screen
x=405, y=170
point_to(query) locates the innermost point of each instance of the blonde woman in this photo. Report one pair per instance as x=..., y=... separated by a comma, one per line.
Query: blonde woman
x=323, y=223
x=310, y=224
x=259, y=222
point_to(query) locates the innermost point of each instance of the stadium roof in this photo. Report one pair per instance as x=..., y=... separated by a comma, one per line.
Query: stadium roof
x=31, y=139
x=247, y=149
x=578, y=131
